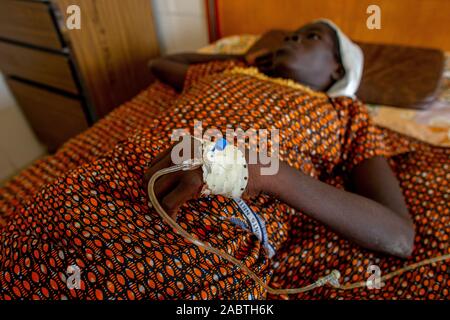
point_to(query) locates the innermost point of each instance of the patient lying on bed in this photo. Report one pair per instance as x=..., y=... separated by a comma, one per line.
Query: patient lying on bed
x=97, y=216
x=374, y=213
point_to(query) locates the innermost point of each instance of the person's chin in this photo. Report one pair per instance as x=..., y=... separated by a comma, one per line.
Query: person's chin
x=283, y=59
x=281, y=68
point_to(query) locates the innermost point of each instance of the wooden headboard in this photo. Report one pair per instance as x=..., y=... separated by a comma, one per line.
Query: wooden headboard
x=422, y=23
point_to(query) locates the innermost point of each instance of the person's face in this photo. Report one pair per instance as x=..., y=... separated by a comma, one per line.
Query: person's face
x=308, y=56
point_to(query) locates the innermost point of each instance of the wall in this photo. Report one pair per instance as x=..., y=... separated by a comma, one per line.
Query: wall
x=181, y=24
x=18, y=145
x=422, y=23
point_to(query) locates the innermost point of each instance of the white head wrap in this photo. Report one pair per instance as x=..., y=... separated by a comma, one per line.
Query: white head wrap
x=352, y=61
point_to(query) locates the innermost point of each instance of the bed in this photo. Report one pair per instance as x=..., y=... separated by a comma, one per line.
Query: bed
x=139, y=113
x=432, y=126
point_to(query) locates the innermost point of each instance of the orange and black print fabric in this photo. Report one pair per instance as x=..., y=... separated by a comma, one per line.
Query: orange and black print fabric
x=91, y=211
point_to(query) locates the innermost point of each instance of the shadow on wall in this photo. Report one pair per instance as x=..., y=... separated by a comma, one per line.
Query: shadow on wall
x=18, y=145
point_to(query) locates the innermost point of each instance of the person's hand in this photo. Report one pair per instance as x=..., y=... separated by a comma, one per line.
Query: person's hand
x=262, y=59
x=174, y=189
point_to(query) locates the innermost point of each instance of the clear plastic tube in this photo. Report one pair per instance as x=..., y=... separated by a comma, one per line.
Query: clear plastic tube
x=331, y=279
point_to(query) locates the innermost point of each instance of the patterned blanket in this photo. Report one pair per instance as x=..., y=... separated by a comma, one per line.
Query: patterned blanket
x=85, y=206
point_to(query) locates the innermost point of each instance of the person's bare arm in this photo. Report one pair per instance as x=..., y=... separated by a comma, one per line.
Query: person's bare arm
x=170, y=72
x=172, y=69
x=375, y=180
x=193, y=57
x=375, y=216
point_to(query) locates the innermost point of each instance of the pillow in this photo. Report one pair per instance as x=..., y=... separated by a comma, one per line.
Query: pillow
x=394, y=75
x=400, y=75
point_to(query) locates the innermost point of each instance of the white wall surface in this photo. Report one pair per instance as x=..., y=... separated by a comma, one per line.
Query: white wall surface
x=18, y=145
x=181, y=24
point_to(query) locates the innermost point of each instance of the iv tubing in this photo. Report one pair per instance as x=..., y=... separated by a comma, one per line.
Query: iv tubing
x=332, y=278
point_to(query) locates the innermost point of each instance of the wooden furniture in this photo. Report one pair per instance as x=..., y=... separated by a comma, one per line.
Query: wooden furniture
x=422, y=23
x=65, y=80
